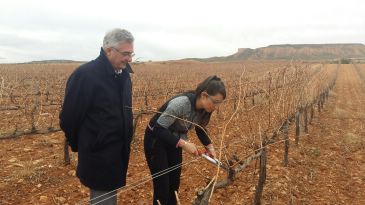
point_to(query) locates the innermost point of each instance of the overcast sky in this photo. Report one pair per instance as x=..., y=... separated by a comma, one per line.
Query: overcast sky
x=169, y=29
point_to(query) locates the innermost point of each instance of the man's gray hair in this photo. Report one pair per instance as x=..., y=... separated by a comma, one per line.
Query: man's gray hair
x=116, y=36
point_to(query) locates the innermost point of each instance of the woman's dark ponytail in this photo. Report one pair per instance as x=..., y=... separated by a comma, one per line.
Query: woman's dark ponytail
x=212, y=85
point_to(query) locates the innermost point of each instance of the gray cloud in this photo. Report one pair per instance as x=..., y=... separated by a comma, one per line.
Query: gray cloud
x=39, y=30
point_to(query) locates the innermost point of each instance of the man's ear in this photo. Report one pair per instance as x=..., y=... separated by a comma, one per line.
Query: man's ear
x=108, y=51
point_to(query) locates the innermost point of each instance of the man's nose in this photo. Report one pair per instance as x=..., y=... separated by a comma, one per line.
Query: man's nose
x=130, y=58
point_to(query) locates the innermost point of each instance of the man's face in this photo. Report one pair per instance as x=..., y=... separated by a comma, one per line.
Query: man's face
x=120, y=55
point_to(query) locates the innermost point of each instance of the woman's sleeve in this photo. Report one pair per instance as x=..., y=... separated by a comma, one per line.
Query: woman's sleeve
x=168, y=117
x=203, y=137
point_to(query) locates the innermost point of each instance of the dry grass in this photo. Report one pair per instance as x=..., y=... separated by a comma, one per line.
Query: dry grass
x=339, y=113
x=352, y=142
x=314, y=151
x=29, y=170
x=260, y=99
x=332, y=93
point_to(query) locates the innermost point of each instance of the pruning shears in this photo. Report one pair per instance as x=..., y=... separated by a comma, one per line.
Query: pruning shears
x=213, y=160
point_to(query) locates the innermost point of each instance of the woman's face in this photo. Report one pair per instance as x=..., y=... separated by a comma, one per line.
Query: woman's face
x=211, y=102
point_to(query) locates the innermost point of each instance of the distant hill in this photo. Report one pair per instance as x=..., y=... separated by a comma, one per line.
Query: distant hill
x=297, y=52
x=55, y=61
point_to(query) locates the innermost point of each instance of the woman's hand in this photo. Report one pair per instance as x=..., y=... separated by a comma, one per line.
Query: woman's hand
x=188, y=146
x=211, y=151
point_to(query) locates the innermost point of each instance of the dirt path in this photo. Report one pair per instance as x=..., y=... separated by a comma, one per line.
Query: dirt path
x=329, y=165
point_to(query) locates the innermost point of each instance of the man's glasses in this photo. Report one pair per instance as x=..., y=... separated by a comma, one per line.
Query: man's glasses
x=125, y=53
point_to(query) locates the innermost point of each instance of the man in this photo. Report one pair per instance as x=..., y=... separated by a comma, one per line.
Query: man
x=97, y=118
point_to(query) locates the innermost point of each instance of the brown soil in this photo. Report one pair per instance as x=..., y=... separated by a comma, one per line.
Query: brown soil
x=327, y=167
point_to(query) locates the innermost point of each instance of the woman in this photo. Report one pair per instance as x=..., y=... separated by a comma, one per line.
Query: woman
x=166, y=134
